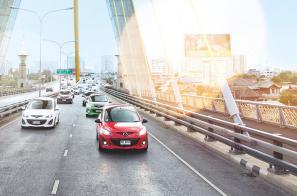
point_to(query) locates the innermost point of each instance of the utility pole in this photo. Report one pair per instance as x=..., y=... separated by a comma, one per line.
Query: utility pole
x=76, y=39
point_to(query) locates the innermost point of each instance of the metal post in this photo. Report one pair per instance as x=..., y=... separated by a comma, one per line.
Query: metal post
x=67, y=69
x=77, y=66
x=60, y=66
x=210, y=129
x=40, y=40
x=276, y=169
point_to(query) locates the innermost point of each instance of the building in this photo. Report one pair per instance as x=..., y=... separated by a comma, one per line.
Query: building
x=251, y=89
x=159, y=67
x=108, y=64
x=240, y=88
x=267, y=74
x=254, y=72
x=22, y=79
x=209, y=70
x=239, y=64
x=267, y=89
x=7, y=20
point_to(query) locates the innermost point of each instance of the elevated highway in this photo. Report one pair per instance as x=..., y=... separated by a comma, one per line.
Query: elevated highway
x=66, y=161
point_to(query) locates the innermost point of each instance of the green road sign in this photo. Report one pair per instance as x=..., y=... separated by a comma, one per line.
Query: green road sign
x=65, y=71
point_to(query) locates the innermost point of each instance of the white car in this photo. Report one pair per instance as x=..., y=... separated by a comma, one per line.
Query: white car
x=41, y=112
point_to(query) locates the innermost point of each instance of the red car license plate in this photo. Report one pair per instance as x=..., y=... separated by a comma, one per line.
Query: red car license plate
x=125, y=142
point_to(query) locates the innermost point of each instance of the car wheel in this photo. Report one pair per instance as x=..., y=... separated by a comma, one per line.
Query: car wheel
x=58, y=119
x=23, y=127
x=97, y=136
x=54, y=125
x=87, y=115
x=99, y=147
x=145, y=149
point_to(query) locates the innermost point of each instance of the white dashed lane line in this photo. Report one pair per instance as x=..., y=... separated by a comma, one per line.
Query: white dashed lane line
x=70, y=135
x=65, y=153
x=55, y=187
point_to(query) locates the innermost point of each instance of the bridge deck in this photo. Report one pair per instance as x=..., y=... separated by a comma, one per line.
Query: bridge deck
x=39, y=157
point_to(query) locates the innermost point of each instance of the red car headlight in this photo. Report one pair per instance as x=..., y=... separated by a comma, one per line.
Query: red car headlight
x=142, y=132
x=104, y=132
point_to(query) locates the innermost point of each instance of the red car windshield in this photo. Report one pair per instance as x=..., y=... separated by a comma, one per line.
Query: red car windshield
x=119, y=114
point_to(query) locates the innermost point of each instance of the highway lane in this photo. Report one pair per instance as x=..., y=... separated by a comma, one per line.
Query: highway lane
x=32, y=160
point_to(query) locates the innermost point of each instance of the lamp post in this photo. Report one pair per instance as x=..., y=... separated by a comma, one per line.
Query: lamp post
x=60, y=45
x=41, y=19
x=67, y=55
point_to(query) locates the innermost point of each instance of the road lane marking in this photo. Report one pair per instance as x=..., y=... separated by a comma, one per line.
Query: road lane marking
x=73, y=125
x=55, y=187
x=189, y=166
x=70, y=135
x=65, y=153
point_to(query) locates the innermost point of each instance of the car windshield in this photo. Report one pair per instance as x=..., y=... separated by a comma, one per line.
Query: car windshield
x=120, y=114
x=41, y=104
x=99, y=98
x=65, y=92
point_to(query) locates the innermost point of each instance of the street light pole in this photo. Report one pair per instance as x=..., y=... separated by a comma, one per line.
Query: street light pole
x=40, y=57
x=60, y=45
x=68, y=63
x=41, y=19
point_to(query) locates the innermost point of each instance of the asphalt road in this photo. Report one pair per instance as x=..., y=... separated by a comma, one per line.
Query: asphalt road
x=66, y=161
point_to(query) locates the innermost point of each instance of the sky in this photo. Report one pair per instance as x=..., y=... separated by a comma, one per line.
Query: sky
x=263, y=30
x=96, y=36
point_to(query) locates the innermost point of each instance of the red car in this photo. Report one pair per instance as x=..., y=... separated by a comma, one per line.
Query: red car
x=121, y=127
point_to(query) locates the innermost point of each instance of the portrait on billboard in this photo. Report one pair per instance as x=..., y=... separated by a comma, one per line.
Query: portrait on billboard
x=209, y=45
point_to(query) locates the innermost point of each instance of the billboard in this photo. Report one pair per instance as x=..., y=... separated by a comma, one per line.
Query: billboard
x=208, y=45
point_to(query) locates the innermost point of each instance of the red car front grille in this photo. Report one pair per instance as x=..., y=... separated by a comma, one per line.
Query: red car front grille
x=124, y=133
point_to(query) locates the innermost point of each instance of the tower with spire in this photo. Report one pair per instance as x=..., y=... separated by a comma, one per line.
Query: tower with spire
x=23, y=54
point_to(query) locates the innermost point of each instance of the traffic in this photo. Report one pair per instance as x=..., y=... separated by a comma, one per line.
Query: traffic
x=93, y=147
x=118, y=126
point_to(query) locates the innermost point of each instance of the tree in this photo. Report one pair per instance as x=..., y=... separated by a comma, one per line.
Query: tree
x=109, y=80
x=48, y=74
x=200, y=89
x=244, y=76
x=289, y=97
x=286, y=76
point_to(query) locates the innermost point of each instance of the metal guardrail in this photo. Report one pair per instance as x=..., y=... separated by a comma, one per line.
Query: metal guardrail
x=284, y=116
x=226, y=132
x=10, y=91
x=16, y=107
